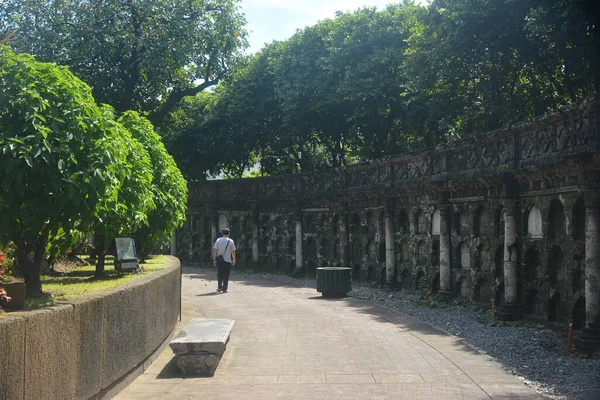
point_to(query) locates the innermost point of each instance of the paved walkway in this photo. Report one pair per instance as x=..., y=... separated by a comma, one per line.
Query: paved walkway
x=290, y=343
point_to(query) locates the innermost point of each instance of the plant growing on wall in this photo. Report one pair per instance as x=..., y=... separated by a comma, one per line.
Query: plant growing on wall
x=3, y=295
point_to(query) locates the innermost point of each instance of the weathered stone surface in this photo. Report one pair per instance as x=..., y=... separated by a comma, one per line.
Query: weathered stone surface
x=89, y=324
x=200, y=345
x=78, y=350
x=131, y=331
x=51, y=353
x=535, y=258
x=12, y=356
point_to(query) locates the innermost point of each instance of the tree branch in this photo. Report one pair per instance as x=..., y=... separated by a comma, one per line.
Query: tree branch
x=175, y=97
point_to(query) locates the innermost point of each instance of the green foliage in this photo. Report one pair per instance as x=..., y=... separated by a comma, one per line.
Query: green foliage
x=372, y=83
x=126, y=212
x=484, y=64
x=143, y=55
x=69, y=166
x=168, y=188
x=59, y=156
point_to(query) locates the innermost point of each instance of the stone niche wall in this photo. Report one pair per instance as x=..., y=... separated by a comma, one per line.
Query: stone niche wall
x=84, y=349
x=429, y=221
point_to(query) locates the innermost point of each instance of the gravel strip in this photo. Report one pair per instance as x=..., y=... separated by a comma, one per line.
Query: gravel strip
x=538, y=355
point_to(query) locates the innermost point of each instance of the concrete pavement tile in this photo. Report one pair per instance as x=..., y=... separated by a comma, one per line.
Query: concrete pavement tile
x=309, y=378
x=446, y=378
x=290, y=344
x=398, y=378
x=354, y=378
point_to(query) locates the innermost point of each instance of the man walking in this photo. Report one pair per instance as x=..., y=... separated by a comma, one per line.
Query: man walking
x=224, y=259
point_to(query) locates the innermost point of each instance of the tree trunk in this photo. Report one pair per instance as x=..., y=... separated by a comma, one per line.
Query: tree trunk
x=101, y=256
x=31, y=268
x=99, y=274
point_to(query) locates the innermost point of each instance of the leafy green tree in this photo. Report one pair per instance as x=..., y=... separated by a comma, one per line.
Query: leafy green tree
x=168, y=188
x=60, y=157
x=144, y=55
x=485, y=64
x=128, y=211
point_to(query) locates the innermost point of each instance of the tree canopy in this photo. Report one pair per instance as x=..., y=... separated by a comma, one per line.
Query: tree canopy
x=372, y=83
x=143, y=55
x=67, y=164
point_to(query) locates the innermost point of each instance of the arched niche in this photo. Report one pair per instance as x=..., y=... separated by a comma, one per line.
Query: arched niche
x=279, y=246
x=479, y=257
x=579, y=314
x=435, y=284
x=554, y=308
x=325, y=250
x=499, y=221
x=457, y=220
x=435, y=252
x=534, y=223
x=381, y=255
x=465, y=256
x=357, y=252
x=477, y=290
x=402, y=222
x=337, y=250
x=436, y=222
x=404, y=279
x=421, y=253
x=531, y=264
x=499, y=262
x=323, y=222
x=479, y=221
x=371, y=250
x=531, y=298
x=420, y=224
x=400, y=251
x=195, y=224
x=556, y=220
x=555, y=264
x=578, y=224
x=371, y=223
x=335, y=225
x=354, y=223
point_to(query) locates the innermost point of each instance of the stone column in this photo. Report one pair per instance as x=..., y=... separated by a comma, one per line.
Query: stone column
x=344, y=262
x=299, y=262
x=445, y=292
x=510, y=253
x=255, y=239
x=589, y=339
x=223, y=223
x=213, y=230
x=510, y=310
x=174, y=244
x=389, y=245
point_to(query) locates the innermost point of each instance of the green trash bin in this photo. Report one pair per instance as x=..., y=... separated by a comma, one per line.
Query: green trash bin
x=334, y=281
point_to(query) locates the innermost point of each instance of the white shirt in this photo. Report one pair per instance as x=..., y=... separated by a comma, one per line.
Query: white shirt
x=221, y=244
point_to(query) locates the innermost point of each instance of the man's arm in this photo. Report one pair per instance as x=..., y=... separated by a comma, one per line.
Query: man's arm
x=215, y=256
x=233, y=257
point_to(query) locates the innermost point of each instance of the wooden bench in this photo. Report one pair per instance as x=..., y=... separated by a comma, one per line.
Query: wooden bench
x=200, y=345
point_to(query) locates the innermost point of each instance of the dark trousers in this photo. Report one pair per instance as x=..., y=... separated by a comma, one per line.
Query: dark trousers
x=223, y=272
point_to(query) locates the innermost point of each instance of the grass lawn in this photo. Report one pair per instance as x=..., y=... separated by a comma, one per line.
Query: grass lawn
x=81, y=281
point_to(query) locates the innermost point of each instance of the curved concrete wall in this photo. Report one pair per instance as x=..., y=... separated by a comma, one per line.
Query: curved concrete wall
x=80, y=350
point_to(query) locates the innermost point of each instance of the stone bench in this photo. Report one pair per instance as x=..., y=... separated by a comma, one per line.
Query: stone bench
x=200, y=345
